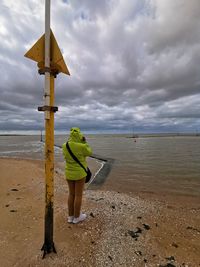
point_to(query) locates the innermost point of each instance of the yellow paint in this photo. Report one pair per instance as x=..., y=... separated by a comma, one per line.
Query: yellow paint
x=49, y=150
x=36, y=53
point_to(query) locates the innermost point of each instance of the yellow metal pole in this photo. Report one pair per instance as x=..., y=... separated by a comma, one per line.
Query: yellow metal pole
x=47, y=54
x=49, y=140
x=49, y=175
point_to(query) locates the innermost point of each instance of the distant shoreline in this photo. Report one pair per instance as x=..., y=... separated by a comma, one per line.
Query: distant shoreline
x=127, y=135
x=164, y=135
x=17, y=134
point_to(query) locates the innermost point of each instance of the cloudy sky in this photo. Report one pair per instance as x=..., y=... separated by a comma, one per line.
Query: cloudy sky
x=134, y=64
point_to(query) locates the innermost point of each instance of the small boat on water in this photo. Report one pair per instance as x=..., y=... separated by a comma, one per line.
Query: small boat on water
x=134, y=136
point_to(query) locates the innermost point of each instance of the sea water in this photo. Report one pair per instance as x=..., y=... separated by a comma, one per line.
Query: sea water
x=170, y=164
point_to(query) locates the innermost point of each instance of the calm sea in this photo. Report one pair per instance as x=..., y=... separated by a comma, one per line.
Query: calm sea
x=168, y=164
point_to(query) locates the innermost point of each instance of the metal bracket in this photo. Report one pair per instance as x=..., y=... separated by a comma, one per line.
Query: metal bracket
x=54, y=72
x=48, y=247
x=48, y=108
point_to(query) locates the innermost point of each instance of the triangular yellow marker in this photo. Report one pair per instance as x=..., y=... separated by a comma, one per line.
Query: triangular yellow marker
x=36, y=53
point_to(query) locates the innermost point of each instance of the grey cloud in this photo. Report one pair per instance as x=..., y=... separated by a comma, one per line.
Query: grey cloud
x=130, y=61
x=175, y=24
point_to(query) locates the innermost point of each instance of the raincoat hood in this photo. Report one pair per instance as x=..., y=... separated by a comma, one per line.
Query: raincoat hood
x=75, y=135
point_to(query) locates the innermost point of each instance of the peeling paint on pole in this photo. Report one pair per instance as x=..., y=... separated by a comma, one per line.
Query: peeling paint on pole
x=49, y=175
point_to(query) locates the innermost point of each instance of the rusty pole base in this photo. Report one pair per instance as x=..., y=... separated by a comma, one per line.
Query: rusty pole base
x=48, y=248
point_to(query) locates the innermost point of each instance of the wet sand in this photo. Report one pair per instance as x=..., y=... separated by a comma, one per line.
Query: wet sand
x=122, y=228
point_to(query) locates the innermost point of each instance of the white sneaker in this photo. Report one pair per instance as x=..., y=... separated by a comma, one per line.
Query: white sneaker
x=81, y=218
x=70, y=219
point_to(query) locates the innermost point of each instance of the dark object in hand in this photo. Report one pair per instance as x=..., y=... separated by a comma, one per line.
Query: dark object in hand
x=89, y=175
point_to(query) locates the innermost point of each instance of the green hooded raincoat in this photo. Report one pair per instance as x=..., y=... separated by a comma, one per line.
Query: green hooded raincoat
x=81, y=150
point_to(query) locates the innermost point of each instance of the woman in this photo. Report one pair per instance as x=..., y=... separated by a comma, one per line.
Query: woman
x=75, y=174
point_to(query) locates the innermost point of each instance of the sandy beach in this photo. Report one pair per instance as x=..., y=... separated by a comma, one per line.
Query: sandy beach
x=122, y=229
